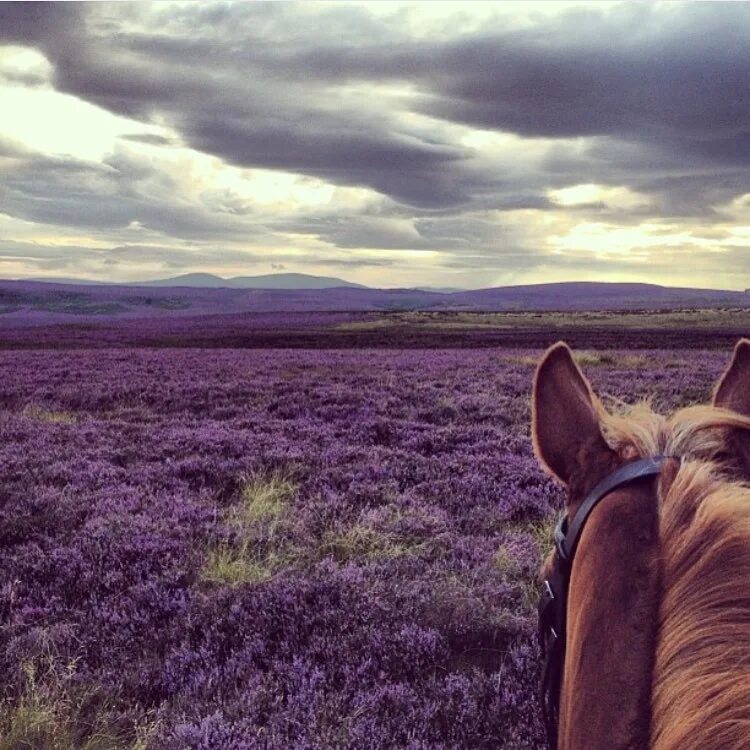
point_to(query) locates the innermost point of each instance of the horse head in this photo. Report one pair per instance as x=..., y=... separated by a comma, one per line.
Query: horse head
x=623, y=606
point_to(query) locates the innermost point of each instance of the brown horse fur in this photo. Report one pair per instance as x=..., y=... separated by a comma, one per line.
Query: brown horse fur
x=658, y=650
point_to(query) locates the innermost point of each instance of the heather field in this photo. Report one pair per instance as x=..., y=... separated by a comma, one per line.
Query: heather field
x=280, y=548
x=356, y=329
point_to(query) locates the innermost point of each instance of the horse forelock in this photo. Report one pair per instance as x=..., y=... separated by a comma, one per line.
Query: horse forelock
x=693, y=433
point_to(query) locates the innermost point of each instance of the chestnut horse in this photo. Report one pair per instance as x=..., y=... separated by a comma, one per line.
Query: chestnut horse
x=657, y=624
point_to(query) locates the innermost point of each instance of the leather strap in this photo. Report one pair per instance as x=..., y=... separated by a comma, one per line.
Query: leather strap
x=568, y=534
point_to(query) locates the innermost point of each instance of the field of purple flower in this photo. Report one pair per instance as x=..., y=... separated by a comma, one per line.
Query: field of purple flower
x=280, y=548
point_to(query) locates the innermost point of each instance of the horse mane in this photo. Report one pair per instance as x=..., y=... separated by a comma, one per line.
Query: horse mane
x=701, y=678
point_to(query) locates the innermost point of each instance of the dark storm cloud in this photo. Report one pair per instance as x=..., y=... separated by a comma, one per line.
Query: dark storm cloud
x=39, y=24
x=655, y=97
x=643, y=72
x=674, y=76
x=333, y=148
x=262, y=85
x=460, y=235
x=221, y=99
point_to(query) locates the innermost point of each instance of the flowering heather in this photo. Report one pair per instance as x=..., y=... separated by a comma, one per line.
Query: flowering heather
x=279, y=549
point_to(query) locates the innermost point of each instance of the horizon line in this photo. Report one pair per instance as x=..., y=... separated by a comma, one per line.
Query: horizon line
x=69, y=281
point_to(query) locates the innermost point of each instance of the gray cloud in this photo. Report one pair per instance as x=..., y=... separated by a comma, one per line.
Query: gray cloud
x=123, y=258
x=244, y=83
x=170, y=258
x=458, y=235
x=120, y=192
x=26, y=79
x=150, y=139
x=39, y=23
x=655, y=97
x=659, y=74
x=223, y=102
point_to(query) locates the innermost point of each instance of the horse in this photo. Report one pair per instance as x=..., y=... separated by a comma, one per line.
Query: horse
x=645, y=610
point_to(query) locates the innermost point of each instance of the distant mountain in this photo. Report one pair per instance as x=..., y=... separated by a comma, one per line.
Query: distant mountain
x=197, y=280
x=266, y=281
x=440, y=289
x=65, y=280
x=212, y=281
x=34, y=302
x=595, y=295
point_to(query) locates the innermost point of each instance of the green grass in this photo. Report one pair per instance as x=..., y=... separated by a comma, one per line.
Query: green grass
x=263, y=508
x=364, y=542
x=528, y=587
x=262, y=543
x=722, y=318
x=592, y=359
x=51, y=715
x=39, y=414
x=231, y=565
x=542, y=532
x=242, y=563
x=264, y=499
x=504, y=560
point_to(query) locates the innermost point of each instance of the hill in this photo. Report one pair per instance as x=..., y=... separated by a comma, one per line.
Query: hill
x=594, y=295
x=212, y=281
x=29, y=303
x=265, y=281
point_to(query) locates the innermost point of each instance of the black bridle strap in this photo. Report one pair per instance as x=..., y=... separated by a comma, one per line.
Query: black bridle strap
x=569, y=533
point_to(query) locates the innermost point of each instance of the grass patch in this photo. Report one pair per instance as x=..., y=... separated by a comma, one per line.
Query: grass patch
x=542, y=533
x=262, y=509
x=694, y=318
x=505, y=561
x=527, y=586
x=51, y=715
x=231, y=565
x=589, y=359
x=261, y=544
x=264, y=499
x=368, y=325
x=362, y=541
x=525, y=359
x=39, y=414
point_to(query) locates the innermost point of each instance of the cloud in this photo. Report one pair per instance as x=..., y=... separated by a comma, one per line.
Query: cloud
x=459, y=138
x=150, y=139
x=224, y=102
x=149, y=258
x=40, y=23
x=337, y=101
x=123, y=191
x=129, y=261
x=638, y=72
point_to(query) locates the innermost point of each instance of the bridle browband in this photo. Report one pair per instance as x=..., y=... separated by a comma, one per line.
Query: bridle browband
x=554, y=597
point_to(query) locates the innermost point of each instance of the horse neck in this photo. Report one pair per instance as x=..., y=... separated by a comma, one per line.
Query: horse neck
x=612, y=624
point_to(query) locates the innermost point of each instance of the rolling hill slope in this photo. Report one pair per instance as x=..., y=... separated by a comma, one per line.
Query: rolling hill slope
x=29, y=303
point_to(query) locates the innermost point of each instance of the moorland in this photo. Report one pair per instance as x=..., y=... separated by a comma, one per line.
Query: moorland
x=292, y=530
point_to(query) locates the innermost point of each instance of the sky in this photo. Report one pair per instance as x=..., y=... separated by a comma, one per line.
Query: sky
x=393, y=144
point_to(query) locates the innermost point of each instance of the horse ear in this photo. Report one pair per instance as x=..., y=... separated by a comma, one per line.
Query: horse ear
x=563, y=415
x=733, y=389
